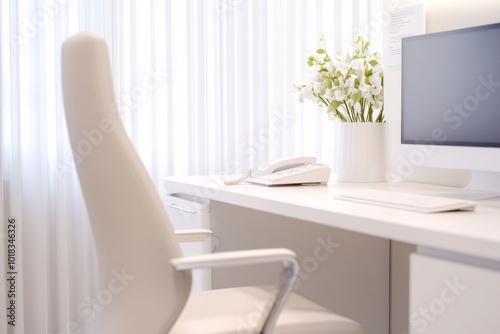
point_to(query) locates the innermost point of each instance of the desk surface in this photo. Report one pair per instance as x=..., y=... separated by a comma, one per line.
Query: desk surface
x=472, y=233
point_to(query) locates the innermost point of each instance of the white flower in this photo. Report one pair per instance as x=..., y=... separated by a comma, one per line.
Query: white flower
x=340, y=66
x=316, y=87
x=349, y=83
x=329, y=94
x=340, y=95
x=364, y=89
x=316, y=76
x=358, y=64
x=306, y=93
x=377, y=69
x=375, y=80
x=330, y=66
x=376, y=85
x=376, y=90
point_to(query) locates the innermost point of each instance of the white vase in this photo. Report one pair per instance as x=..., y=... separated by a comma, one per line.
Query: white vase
x=359, y=152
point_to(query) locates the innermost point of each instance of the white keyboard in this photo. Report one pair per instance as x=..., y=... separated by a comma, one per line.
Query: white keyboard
x=407, y=201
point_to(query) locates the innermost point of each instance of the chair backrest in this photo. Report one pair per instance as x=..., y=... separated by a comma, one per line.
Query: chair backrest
x=139, y=291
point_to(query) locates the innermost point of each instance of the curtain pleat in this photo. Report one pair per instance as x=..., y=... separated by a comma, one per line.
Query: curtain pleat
x=202, y=86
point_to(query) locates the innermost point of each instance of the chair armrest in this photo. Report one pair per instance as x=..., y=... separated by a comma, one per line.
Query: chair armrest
x=198, y=235
x=251, y=257
x=193, y=235
x=234, y=258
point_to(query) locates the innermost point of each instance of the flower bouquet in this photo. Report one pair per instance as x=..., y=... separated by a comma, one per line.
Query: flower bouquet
x=351, y=87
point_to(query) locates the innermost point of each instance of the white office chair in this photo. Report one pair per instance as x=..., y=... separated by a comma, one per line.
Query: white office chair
x=144, y=282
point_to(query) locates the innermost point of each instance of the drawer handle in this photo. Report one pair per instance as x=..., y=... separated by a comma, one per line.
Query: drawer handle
x=174, y=206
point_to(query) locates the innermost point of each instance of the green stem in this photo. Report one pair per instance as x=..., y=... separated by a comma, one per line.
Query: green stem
x=340, y=116
x=350, y=113
x=362, y=112
x=322, y=100
x=380, y=117
x=370, y=114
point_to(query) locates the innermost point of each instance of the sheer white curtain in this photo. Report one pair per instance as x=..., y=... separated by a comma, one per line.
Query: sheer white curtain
x=203, y=87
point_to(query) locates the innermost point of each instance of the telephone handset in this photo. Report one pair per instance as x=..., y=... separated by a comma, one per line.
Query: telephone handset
x=287, y=163
x=296, y=170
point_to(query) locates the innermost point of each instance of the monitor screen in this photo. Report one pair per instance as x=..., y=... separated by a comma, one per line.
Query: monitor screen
x=451, y=88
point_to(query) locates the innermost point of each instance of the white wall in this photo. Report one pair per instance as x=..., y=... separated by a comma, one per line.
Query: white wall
x=444, y=15
x=441, y=15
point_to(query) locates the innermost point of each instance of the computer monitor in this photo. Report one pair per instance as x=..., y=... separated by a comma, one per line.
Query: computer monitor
x=451, y=99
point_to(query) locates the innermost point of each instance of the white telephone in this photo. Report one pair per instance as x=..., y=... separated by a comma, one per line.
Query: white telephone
x=297, y=170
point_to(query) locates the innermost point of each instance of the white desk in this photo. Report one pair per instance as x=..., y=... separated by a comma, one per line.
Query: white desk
x=470, y=237
x=473, y=233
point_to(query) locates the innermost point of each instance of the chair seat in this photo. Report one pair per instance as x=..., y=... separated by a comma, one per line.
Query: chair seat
x=241, y=310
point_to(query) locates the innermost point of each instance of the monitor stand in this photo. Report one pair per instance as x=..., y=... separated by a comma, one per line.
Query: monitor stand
x=470, y=185
x=467, y=194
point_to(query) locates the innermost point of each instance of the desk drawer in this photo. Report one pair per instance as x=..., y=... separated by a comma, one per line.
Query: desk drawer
x=453, y=297
x=190, y=212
